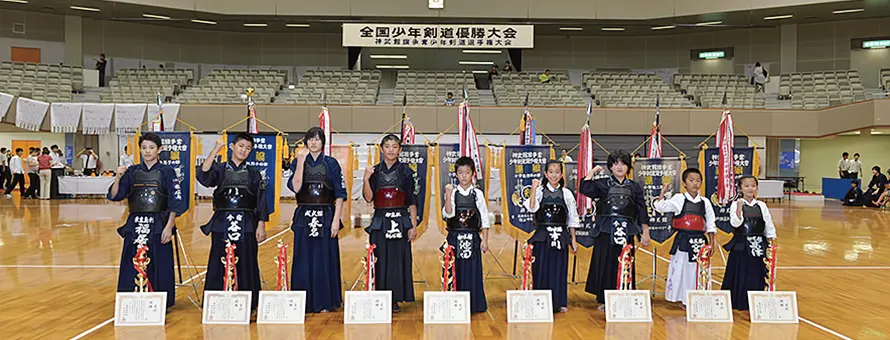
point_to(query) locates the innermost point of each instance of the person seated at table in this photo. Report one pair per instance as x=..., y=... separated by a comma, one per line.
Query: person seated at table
x=854, y=195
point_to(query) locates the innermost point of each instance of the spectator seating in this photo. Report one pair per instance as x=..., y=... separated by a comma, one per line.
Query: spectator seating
x=342, y=87
x=227, y=87
x=815, y=90
x=707, y=90
x=510, y=89
x=44, y=82
x=431, y=87
x=142, y=85
x=632, y=90
x=885, y=79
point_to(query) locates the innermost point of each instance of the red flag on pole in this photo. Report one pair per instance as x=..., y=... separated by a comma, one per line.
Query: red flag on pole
x=469, y=145
x=252, y=127
x=655, y=137
x=585, y=165
x=324, y=122
x=725, y=172
x=158, y=123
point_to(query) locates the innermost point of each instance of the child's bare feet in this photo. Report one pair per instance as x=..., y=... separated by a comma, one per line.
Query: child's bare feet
x=563, y=309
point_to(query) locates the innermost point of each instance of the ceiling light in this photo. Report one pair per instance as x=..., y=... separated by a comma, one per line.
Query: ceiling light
x=476, y=62
x=844, y=11
x=571, y=29
x=393, y=66
x=155, y=16
x=206, y=22
x=297, y=25
x=777, y=17
x=88, y=9
x=16, y=1
x=709, y=23
x=388, y=56
x=480, y=72
x=663, y=27
x=255, y=25
x=483, y=51
x=612, y=29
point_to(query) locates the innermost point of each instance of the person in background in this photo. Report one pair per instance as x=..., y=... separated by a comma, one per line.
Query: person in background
x=843, y=165
x=4, y=169
x=101, y=64
x=126, y=160
x=759, y=78
x=884, y=198
x=31, y=168
x=855, y=167
x=854, y=195
x=44, y=164
x=18, y=173
x=565, y=156
x=493, y=73
x=875, y=188
x=449, y=99
x=58, y=170
x=544, y=78
x=89, y=161
x=508, y=67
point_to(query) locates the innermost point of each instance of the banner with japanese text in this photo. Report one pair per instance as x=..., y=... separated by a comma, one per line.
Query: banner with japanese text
x=417, y=157
x=522, y=164
x=265, y=158
x=745, y=162
x=177, y=152
x=439, y=36
x=345, y=155
x=584, y=234
x=651, y=174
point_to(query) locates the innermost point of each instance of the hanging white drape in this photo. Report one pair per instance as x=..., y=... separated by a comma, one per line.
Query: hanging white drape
x=29, y=113
x=5, y=102
x=171, y=111
x=97, y=118
x=128, y=117
x=64, y=117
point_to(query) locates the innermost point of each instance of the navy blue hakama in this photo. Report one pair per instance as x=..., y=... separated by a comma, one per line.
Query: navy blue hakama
x=159, y=268
x=247, y=269
x=316, y=262
x=394, y=267
x=550, y=271
x=468, y=267
x=744, y=271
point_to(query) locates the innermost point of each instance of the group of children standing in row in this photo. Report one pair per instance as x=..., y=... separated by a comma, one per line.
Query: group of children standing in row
x=241, y=211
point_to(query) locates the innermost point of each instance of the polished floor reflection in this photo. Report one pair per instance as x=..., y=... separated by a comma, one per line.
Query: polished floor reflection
x=58, y=274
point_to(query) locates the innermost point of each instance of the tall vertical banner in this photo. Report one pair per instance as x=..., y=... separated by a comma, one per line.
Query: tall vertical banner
x=417, y=157
x=177, y=152
x=345, y=155
x=522, y=164
x=265, y=158
x=446, y=156
x=745, y=162
x=651, y=174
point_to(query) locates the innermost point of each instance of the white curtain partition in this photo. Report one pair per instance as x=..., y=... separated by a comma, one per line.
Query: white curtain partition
x=64, y=117
x=29, y=113
x=5, y=102
x=171, y=111
x=97, y=118
x=128, y=117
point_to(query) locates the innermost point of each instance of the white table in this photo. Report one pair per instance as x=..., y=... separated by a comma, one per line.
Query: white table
x=770, y=189
x=72, y=185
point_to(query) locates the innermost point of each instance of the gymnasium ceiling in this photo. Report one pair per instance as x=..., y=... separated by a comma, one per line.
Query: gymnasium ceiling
x=133, y=12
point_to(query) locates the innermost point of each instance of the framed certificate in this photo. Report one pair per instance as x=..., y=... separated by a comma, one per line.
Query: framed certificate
x=226, y=308
x=773, y=307
x=368, y=307
x=140, y=309
x=628, y=306
x=446, y=307
x=529, y=306
x=708, y=306
x=281, y=307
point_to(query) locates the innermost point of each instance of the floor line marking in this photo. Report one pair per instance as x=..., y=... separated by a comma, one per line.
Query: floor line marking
x=66, y=266
x=826, y=329
x=106, y=322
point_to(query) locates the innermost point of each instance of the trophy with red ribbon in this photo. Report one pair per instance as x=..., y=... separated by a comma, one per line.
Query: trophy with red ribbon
x=140, y=263
x=281, y=261
x=449, y=272
x=625, y=278
x=231, y=278
x=369, y=262
x=703, y=268
x=771, y=260
x=527, y=260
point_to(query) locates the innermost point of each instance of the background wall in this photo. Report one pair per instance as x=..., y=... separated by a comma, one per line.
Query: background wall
x=818, y=157
x=826, y=46
x=46, y=139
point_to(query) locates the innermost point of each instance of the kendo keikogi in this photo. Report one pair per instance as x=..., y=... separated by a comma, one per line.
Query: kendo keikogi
x=151, y=196
x=316, y=261
x=239, y=204
x=469, y=217
x=393, y=193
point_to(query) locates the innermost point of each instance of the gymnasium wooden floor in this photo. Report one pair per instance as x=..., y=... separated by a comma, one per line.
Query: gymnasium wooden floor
x=58, y=274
